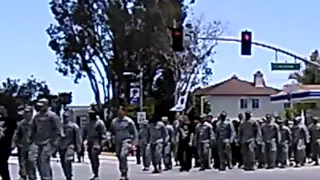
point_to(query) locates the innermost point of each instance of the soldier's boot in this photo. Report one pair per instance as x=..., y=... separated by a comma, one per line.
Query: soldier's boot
x=167, y=168
x=297, y=165
x=230, y=165
x=177, y=163
x=222, y=167
x=269, y=167
x=316, y=163
x=123, y=176
x=282, y=165
x=248, y=169
x=261, y=166
x=202, y=168
x=156, y=170
x=94, y=178
x=22, y=178
x=145, y=169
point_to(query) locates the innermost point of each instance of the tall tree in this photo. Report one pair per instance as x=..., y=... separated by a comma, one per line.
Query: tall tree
x=310, y=74
x=101, y=39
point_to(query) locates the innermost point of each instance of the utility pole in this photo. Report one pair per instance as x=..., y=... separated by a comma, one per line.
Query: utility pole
x=141, y=88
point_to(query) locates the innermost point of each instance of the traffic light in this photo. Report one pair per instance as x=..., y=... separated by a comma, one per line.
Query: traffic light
x=177, y=39
x=246, y=40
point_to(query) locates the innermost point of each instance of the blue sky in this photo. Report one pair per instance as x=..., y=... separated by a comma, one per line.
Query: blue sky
x=292, y=25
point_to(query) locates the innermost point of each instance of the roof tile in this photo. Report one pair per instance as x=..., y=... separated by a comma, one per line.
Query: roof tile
x=236, y=87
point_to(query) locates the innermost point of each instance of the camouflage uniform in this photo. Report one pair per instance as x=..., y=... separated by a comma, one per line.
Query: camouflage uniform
x=271, y=137
x=284, y=144
x=158, y=135
x=204, y=137
x=45, y=135
x=27, y=168
x=300, y=137
x=249, y=134
x=125, y=137
x=225, y=135
x=315, y=140
x=69, y=143
x=143, y=143
x=95, y=133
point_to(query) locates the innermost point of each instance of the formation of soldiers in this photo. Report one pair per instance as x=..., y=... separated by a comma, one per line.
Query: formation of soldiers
x=40, y=135
x=268, y=143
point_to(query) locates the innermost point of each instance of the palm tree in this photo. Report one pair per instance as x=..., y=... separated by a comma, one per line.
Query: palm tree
x=309, y=75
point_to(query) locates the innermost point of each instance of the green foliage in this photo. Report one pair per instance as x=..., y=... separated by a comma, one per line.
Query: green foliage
x=100, y=39
x=311, y=74
x=29, y=91
x=148, y=108
x=25, y=92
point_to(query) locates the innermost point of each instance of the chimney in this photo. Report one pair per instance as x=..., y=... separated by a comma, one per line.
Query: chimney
x=258, y=80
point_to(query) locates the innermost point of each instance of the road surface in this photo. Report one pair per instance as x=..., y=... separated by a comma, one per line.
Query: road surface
x=109, y=172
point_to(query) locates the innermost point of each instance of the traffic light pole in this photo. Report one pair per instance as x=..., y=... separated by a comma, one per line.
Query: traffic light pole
x=233, y=39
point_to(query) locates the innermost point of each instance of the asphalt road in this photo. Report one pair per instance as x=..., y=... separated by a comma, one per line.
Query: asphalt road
x=109, y=172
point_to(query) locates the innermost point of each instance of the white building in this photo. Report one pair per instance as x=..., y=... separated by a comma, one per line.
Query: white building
x=237, y=96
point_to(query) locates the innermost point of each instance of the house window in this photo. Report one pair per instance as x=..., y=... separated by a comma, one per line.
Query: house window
x=243, y=103
x=287, y=105
x=255, y=103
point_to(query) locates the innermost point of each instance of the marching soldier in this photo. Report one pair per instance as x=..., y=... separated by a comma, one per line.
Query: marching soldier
x=300, y=137
x=95, y=134
x=284, y=144
x=125, y=137
x=70, y=143
x=167, y=151
x=315, y=140
x=176, y=125
x=249, y=134
x=157, y=136
x=235, y=146
x=27, y=169
x=185, y=139
x=260, y=148
x=143, y=143
x=45, y=136
x=225, y=134
x=204, y=137
x=270, y=137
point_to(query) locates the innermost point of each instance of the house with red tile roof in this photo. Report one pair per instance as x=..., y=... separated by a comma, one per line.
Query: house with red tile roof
x=237, y=96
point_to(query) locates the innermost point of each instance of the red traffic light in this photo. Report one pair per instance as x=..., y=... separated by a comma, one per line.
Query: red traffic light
x=247, y=37
x=177, y=33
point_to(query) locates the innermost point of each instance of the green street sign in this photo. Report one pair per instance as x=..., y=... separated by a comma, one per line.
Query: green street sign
x=285, y=66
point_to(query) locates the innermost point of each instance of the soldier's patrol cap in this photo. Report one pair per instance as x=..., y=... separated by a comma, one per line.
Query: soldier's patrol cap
x=203, y=116
x=164, y=118
x=20, y=110
x=42, y=102
x=28, y=109
x=67, y=113
x=290, y=122
x=298, y=119
x=91, y=110
x=279, y=120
